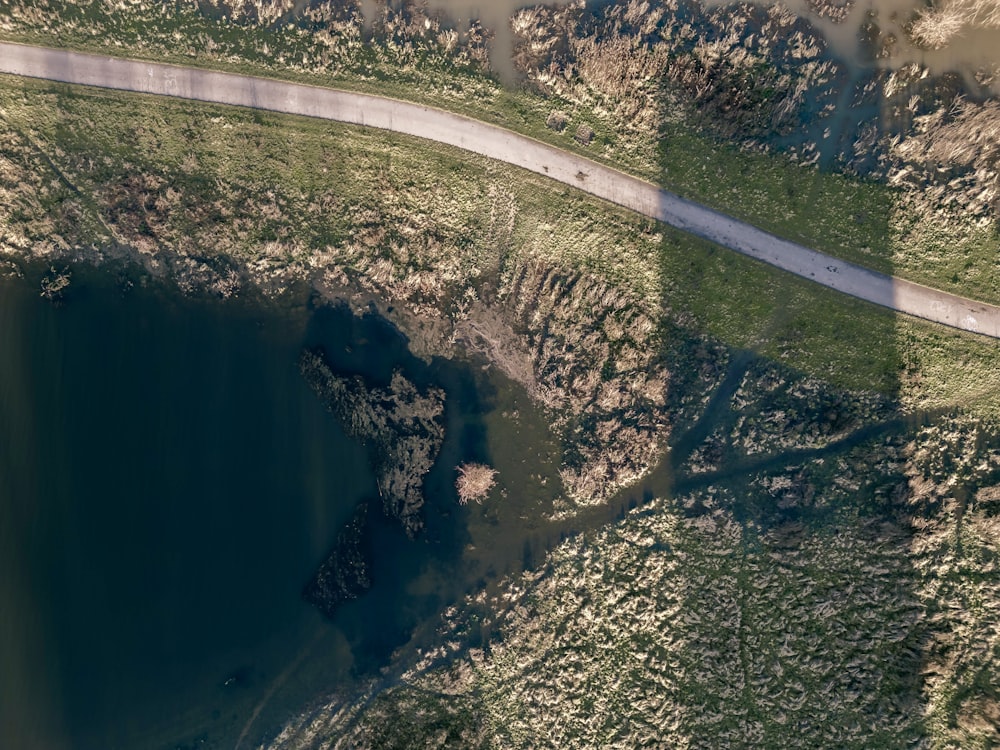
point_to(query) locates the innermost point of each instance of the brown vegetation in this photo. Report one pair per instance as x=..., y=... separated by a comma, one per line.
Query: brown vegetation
x=937, y=25
x=841, y=599
x=593, y=364
x=474, y=482
x=746, y=70
x=797, y=590
x=400, y=425
x=951, y=158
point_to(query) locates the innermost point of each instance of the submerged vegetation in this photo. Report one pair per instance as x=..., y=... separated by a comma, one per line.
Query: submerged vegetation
x=400, y=426
x=812, y=561
x=798, y=589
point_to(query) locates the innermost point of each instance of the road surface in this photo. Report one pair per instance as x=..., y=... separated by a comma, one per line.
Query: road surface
x=504, y=145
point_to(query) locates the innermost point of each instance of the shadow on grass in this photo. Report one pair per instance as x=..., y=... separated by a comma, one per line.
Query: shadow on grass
x=798, y=398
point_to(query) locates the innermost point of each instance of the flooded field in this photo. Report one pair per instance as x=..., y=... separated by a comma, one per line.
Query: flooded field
x=964, y=37
x=169, y=483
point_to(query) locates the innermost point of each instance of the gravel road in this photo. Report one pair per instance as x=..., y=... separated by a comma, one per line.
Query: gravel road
x=497, y=143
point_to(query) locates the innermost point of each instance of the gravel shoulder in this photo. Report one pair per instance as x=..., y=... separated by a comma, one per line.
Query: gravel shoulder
x=504, y=145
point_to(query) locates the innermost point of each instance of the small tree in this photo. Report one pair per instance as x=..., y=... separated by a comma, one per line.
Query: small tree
x=584, y=135
x=556, y=121
x=474, y=482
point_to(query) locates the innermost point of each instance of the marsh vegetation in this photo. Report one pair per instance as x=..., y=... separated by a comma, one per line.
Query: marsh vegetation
x=810, y=556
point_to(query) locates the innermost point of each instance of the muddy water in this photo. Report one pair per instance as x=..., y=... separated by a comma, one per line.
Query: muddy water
x=492, y=14
x=969, y=50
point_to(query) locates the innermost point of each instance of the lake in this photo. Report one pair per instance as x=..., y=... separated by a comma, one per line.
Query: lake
x=168, y=485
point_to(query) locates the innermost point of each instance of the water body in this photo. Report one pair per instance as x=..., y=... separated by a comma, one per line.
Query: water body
x=973, y=48
x=168, y=484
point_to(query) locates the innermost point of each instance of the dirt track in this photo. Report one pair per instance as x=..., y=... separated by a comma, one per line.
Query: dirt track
x=504, y=145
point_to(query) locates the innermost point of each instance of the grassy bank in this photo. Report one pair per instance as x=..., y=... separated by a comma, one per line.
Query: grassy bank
x=289, y=196
x=844, y=341
x=418, y=71
x=865, y=222
x=211, y=156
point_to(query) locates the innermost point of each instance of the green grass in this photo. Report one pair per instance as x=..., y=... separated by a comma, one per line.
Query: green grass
x=843, y=216
x=847, y=342
x=426, y=76
x=684, y=625
x=328, y=182
x=847, y=217
x=325, y=181
x=946, y=251
x=947, y=369
x=749, y=305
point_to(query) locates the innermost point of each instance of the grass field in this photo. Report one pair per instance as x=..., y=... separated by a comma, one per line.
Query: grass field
x=286, y=194
x=865, y=222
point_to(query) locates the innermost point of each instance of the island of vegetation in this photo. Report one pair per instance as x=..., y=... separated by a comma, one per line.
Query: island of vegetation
x=812, y=556
x=400, y=426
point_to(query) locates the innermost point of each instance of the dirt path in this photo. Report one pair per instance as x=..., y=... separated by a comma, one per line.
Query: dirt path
x=504, y=145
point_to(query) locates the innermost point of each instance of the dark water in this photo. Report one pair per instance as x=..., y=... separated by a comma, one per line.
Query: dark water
x=168, y=483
